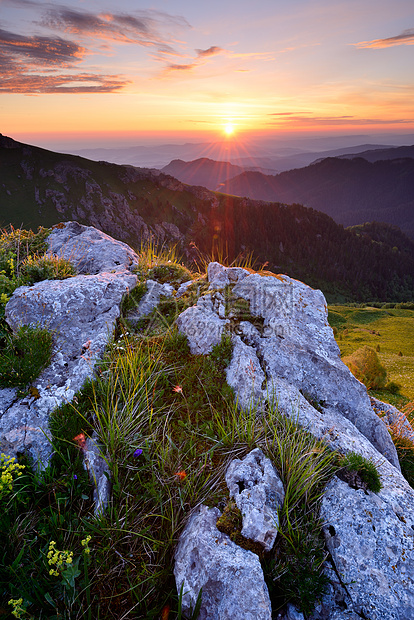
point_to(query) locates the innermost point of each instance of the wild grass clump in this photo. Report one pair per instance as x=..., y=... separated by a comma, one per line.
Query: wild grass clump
x=364, y=468
x=401, y=433
x=365, y=366
x=24, y=355
x=305, y=465
x=37, y=268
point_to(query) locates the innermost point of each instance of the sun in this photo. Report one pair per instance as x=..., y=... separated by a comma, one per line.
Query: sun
x=229, y=129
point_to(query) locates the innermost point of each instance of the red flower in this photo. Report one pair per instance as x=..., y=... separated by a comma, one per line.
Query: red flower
x=80, y=440
x=178, y=388
x=181, y=475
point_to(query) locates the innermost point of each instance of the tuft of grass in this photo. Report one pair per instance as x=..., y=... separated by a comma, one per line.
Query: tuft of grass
x=24, y=355
x=220, y=253
x=366, y=470
x=37, y=268
x=294, y=572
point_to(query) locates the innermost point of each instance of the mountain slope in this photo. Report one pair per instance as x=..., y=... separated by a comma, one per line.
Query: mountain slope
x=204, y=171
x=351, y=191
x=39, y=187
x=380, y=154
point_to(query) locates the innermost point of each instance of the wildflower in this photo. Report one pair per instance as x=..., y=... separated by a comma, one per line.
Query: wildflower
x=181, y=475
x=85, y=543
x=80, y=440
x=17, y=607
x=75, y=477
x=58, y=558
x=9, y=469
x=178, y=389
x=137, y=452
x=165, y=612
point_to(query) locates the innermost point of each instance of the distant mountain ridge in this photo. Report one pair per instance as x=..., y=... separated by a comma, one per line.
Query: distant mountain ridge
x=352, y=191
x=42, y=188
x=205, y=171
x=202, y=171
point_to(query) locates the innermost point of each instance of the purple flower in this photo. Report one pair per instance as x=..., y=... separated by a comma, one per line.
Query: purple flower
x=75, y=477
x=137, y=452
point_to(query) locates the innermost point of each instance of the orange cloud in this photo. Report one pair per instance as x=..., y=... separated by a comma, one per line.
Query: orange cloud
x=23, y=57
x=50, y=50
x=143, y=28
x=36, y=84
x=405, y=38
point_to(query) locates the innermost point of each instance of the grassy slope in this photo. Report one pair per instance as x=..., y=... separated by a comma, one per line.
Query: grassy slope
x=392, y=329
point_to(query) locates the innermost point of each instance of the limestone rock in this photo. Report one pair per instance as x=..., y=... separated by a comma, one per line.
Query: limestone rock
x=81, y=312
x=182, y=289
x=298, y=346
x=151, y=299
x=258, y=492
x=371, y=541
x=220, y=276
x=90, y=250
x=231, y=577
x=245, y=374
x=202, y=326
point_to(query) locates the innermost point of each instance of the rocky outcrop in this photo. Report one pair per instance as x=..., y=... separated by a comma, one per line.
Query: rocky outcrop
x=230, y=577
x=258, y=492
x=81, y=312
x=206, y=559
x=284, y=352
x=150, y=299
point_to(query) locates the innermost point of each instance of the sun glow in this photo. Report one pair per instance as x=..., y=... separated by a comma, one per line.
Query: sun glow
x=229, y=129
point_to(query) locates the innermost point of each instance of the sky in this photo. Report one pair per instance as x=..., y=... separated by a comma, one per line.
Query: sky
x=119, y=72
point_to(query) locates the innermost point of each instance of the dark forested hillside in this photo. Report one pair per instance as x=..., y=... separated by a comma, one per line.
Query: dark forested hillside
x=39, y=187
x=352, y=191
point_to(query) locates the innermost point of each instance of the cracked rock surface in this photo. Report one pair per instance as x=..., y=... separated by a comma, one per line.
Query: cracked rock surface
x=258, y=491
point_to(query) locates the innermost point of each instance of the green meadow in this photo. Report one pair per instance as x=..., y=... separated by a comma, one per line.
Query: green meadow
x=390, y=332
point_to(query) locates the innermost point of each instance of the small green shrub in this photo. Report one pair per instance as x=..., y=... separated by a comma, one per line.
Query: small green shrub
x=132, y=299
x=365, y=366
x=365, y=469
x=24, y=356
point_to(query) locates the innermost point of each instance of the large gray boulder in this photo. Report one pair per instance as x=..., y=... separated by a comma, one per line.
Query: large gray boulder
x=81, y=312
x=230, y=577
x=258, y=491
x=298, y=346
x=371, y=540
x=90, y=250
